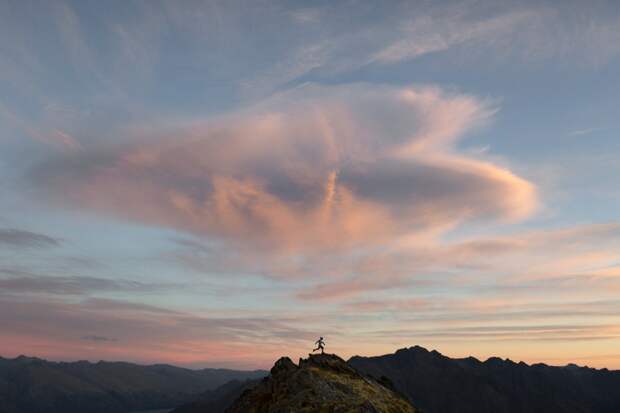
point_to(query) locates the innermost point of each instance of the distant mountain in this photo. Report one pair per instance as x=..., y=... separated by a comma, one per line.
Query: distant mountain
x=32, y=385
x=218, y=400
x=438, y=384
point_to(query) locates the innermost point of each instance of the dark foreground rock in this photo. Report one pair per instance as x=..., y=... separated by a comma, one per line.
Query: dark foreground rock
x=320, y=383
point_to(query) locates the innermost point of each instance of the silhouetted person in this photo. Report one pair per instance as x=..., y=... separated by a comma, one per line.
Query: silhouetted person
x=320, y=345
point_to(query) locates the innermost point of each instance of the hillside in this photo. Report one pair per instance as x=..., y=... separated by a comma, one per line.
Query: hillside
x=219, y=399
x=32, y=385
x=320, y=383
x=438, y=384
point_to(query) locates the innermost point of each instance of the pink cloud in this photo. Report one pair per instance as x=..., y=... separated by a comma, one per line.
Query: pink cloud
x=582, y=259
x=57, y=329
x=53, y=137
x=352, y=287
x=309, y=170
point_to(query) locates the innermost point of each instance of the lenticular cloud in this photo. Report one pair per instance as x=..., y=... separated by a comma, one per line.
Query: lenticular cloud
x=310, y=169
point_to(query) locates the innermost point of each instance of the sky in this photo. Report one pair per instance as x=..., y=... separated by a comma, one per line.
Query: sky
x=219, y=183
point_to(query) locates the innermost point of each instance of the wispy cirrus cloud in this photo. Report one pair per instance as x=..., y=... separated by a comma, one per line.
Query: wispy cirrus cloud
x=474, y=310
x=471, y=31
x=144, y=333
x=435, y=33
x=356, y=285
x=532, y=333
x=582, y=132
x=49, y=135
x=579, y=258
x=154, y=334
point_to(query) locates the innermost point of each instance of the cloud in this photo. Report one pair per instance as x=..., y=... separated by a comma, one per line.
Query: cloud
x=581, y=258
x=143, y=333
x=20, y=282
x=19, y=238
x=138, y=332
x=306, y=15
x=415, y=304
x=428, y=33
x=97, y=339
x=489, y=309
x=354, y=286
x=532, y=333
x=311, y=169
x=580, y=248
x=47, y=134
x=580, y=132
x=467, y=32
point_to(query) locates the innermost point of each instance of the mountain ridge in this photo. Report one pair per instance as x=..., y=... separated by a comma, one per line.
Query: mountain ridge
x=430, y=381
x=436, y=383
x=33, y=385
x=488, y=359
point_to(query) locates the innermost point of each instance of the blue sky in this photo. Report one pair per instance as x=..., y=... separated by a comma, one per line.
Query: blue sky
x=219, y=182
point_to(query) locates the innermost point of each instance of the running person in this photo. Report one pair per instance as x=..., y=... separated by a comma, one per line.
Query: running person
x=320, y=345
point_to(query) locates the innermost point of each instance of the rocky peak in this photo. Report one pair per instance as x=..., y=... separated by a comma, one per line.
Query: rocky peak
x=283, y=366
x=328, y=362
x=322, y=382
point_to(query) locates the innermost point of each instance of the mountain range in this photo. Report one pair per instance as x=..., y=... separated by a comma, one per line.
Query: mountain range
x=439, y=384
x=428, y=380
x=33, y=385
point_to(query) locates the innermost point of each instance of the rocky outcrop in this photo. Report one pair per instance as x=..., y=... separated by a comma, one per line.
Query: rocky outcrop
x=320, y=383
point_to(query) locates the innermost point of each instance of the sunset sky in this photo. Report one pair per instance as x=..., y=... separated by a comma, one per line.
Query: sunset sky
x=219, y=183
